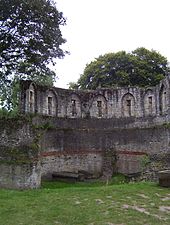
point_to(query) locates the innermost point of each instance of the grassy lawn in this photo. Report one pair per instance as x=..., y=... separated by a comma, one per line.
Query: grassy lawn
x=86, y=204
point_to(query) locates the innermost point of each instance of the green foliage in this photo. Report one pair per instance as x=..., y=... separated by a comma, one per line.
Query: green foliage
x=118, y=179
x=30, y=40
x=166, y=125
x=45, y=126
x=144, y=162
x=73, y=85
x=9, y=98
x=5, y=114
x=141, y=67
x=18, y=155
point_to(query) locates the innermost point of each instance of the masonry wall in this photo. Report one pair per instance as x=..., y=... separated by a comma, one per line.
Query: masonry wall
x=82, y=145
x=101, y=103
x=84, y=131
x=19, y=155
x=41, y=146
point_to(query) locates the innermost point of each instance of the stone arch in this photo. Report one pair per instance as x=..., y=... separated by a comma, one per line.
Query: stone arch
x=149, y=103
x=128, y=105
x=99, y=107
x=163, y=99
x=51, y=103
x=74, y=106
x=31, y=98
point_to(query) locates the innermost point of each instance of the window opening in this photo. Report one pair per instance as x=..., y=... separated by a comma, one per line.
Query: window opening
x=31, y=101
x=73, y=105
x=129, y=107
x=150, y=104
x=99, y=105
x=49, y=105
x=165, y=98
x=163, y=101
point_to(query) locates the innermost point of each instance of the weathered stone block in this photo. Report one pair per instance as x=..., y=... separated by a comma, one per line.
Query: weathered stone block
x=164, y=178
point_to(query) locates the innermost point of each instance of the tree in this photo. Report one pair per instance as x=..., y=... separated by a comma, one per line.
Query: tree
x=30, y=40
x=141, y=68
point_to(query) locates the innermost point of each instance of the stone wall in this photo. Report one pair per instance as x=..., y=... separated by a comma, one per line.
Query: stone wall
x=97, y=133
x=43, y=146
x=19, y=155
x=74, y=145
x=101, y=103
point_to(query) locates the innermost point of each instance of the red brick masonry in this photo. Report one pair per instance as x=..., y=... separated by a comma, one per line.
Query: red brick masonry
x=80, y=152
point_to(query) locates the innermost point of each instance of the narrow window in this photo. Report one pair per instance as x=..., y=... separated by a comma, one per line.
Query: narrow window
x=150, y=100
x=49, y=105
x=31, y=101
x=31, y=96
x=150, y=104
x=73, y=105
x=99, y=106
x=165, y=98
x=165, y=101
x=129, y=107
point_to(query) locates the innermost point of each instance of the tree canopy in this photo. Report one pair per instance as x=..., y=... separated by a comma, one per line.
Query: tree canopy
x=30, y=40
x=140, y=67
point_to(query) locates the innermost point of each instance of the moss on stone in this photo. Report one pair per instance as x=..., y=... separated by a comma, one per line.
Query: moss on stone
x=18, y=155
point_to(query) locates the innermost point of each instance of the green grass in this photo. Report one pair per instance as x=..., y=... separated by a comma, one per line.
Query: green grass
x=86, y=204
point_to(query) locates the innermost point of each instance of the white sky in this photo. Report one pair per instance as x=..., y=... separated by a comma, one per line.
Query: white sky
x=96, y=27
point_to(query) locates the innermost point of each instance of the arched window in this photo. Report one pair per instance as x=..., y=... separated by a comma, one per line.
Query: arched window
x=99, y=107
x=162, y=100
x=128, y=105
x=51, y=103
x=149, y=103
x=74, y=106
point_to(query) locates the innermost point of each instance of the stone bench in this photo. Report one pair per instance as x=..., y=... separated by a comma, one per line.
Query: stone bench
x=164, y=178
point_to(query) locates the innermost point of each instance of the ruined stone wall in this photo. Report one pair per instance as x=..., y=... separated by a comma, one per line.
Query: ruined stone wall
x=71, y=150
x=82, y=144
x=88, y=124
x=85, y=131
x=19, y=155
x=101, y=103
x=42, y=146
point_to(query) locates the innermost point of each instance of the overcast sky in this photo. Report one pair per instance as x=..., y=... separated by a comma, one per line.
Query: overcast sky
x=96, y=27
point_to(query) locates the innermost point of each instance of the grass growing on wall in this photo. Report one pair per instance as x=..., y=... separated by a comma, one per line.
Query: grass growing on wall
x=86, y=204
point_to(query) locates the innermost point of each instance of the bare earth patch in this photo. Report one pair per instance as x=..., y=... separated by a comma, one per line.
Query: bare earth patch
x=157, y=194
x=143, y=210
x=99, y=201
x=165, y=199
x=77, y=202
x=164, y=208
x=114, y=224
x=143, y=196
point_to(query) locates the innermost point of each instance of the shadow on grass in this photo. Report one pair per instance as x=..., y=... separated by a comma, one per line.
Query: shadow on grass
x=118, y=179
